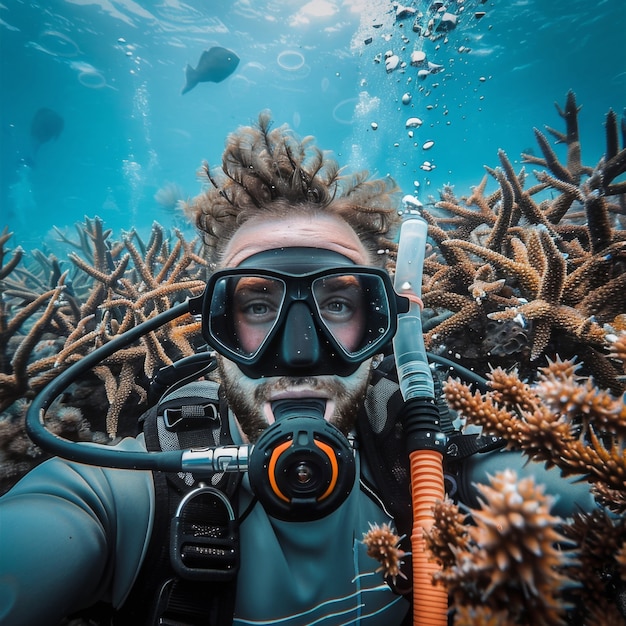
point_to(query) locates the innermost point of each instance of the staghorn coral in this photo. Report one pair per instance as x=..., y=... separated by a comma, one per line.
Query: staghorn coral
x=550, y=273
x=52, y=313
x=551, y=257
x=563, y=419
x=507, y=563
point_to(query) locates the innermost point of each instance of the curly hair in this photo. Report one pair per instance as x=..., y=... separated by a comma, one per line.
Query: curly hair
x=269, y=171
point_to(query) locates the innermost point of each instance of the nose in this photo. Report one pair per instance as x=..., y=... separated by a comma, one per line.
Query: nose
x=300, y=344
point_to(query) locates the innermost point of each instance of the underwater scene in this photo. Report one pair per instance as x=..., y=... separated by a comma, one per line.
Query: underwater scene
x=504, y=125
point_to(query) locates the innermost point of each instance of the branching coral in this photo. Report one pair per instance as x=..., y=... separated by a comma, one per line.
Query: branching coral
x=563, y=419
x=382, y=544
x=106, y=288
x=17, y=452
x=507, y=563
x=513, y=256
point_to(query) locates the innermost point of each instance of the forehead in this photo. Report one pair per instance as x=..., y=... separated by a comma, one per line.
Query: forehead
x=322, y=231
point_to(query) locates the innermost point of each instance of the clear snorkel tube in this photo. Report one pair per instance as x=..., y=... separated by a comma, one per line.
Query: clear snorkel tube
x=414, y=373
x=425, y=439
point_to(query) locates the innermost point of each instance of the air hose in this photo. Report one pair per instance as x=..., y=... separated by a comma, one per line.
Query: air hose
x=420, y=417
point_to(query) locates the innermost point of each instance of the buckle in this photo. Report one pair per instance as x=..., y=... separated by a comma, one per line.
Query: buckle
x=189, y=415
x=204, y=542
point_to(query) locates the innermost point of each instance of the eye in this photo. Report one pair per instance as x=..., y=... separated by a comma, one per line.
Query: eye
x=338, y=298
x=256, y=311
x=338, y=306
x=256, y=308
x=337, y=309
x=257, y=300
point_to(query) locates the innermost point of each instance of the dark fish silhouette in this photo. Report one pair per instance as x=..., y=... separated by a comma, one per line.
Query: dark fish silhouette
x=45, y=126
x=214, y=66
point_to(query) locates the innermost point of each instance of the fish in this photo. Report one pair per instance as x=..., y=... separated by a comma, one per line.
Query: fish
x=214, y=66
x=45, y=126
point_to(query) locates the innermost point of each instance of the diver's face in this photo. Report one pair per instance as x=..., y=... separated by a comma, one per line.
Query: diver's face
x=250, y=399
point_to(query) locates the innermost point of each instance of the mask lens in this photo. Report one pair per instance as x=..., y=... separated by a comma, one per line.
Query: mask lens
x=354, y=309
x=244, y=311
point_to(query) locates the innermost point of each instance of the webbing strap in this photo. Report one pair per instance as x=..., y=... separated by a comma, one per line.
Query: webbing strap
x=187, y=603
x=461, y=446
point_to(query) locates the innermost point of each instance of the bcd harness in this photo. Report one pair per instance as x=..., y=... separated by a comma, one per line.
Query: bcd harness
x=193, y=558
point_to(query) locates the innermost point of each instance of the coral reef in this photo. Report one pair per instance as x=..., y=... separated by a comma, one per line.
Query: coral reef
x=53, y=312
x=517, y=557
x=550, y=259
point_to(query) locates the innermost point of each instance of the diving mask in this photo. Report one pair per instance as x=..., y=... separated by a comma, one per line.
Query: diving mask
x=299, y=311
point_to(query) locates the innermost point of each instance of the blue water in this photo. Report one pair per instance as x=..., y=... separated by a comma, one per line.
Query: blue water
x=114, y=70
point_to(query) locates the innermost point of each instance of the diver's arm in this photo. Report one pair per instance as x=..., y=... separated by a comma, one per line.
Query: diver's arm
x=71, y=535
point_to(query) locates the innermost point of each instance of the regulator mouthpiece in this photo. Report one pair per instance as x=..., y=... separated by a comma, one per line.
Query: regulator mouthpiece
x=302, y=468
x=309, y=407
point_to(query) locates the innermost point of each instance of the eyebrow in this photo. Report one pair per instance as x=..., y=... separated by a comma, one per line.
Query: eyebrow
x=341, y=282
x=255, y=283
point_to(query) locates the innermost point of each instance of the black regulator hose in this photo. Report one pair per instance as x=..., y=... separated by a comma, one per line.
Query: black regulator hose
x=90, y=453
x=228, y=458
x=466, y=374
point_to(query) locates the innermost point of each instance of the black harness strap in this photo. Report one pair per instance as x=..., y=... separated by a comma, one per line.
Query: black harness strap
x=138, y=607
x=188, y=603
x=461, y=446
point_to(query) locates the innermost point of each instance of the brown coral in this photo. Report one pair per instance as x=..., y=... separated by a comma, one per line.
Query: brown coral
x=508, y=562
x=563, y=419
x=382, y=544
x=108, y=287
x=563, y=279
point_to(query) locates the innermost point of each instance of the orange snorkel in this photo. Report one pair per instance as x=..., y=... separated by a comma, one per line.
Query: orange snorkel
x=425, y=439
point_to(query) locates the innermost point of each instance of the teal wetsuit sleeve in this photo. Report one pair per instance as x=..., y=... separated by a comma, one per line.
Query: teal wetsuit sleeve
x=569, y=495
x=71, y=535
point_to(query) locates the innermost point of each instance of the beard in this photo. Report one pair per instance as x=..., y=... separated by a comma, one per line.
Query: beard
x=247, y=397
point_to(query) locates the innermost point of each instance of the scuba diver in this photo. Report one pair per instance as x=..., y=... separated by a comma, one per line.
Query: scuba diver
x=294, y=447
